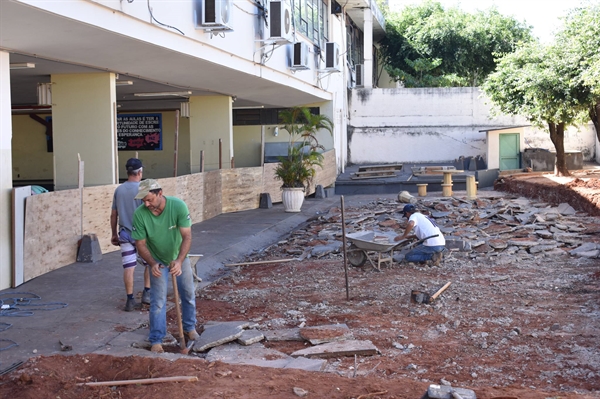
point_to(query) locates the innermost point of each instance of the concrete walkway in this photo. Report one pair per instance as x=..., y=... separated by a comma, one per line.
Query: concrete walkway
x=93, y=294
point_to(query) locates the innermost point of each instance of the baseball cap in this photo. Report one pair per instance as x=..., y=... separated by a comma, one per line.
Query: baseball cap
x=145, y=187
x=408, y=208
x=133, y=164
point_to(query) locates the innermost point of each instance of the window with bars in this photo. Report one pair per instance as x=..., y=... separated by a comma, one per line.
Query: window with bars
x=311, y=19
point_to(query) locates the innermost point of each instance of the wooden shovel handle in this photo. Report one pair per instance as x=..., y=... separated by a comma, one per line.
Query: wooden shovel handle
x=439, y=292
x=178, y=311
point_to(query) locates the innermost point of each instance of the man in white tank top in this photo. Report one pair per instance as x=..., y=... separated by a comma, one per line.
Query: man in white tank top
x=422, y=227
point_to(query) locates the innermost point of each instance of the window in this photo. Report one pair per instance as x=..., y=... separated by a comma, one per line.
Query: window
x=311, y=19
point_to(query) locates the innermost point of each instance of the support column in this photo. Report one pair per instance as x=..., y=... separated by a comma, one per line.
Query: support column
x=5, y=173
x=83, y=121
x=211, y=119
x=368, y=47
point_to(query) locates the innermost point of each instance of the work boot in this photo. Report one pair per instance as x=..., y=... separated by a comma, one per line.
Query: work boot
x=191, y=335
x=146, y=297
x=157, y=348
x=436, y=259
x=130, y=305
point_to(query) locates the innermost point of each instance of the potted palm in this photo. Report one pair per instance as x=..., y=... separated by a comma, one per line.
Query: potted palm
x=297, y=169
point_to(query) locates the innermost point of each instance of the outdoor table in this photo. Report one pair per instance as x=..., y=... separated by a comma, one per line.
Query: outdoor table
x=447, y=182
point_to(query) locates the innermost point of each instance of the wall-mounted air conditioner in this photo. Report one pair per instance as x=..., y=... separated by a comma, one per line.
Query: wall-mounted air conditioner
x=213, y=13
x=280, y=22
x=299, y=56
x=332, y=56
x=360, y=75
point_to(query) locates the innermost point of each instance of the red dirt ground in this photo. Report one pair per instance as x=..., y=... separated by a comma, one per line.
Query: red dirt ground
x=531, y=335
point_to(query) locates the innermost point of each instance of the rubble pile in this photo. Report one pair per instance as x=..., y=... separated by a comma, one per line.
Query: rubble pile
x=497, y=228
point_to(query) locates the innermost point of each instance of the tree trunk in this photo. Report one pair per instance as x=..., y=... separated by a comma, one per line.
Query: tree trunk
x=593, y=112
x=557, y=135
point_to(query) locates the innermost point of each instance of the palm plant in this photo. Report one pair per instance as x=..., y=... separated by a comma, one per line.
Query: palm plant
x=297, y=169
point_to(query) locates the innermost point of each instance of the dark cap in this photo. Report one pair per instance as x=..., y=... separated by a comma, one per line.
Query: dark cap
x=133, y=164
x=408, y=208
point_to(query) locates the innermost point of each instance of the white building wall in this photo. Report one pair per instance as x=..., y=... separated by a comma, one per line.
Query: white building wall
x=436, y=125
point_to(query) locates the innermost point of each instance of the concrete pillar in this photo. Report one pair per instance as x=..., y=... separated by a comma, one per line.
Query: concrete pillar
x=211, y=119
x=84, y=122
x=5, y=173
x=471, y=188
x=368, y=47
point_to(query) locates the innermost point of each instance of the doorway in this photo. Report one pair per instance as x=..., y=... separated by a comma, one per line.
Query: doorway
x=510, y=151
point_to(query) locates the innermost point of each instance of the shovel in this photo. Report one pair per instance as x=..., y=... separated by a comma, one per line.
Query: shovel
x=183, y=349
x=446, y=392
x=417, y=296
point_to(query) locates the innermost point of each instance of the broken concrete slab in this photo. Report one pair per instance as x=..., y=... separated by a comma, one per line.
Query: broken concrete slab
x=328, y=333
x=250, y=337
x=497, y=243
x=585, y=247
x=217, y=334
x=258, y=355
x=544, y=233
x=322, y=250
x=340, y=348
x=566, y=209
x=286, y=334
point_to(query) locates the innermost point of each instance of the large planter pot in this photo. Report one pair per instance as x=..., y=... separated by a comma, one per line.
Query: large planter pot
x=292, y=199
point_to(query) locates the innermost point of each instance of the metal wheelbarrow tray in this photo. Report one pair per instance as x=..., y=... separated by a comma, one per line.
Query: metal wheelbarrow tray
x=381, y=242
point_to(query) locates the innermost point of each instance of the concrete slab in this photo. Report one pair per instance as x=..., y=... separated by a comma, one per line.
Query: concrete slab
x=258, y=355
x=327, y=333
x=337, y=349
x=286, y=334
x=250, y=337
x=217, y=334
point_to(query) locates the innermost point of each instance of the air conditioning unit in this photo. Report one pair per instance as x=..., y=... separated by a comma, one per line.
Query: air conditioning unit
x=332, y=56
x=280, y=22
x=299, y=56
x=360, y=75
x=213, y=13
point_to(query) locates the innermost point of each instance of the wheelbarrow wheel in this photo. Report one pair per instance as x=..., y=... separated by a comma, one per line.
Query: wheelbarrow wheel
x=357, y=257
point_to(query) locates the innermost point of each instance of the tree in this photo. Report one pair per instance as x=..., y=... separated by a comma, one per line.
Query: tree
x=580, y=39
x=539, y=83
x=427, y=46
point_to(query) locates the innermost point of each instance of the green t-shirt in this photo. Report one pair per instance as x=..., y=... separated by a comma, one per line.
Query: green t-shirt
x=161, y=232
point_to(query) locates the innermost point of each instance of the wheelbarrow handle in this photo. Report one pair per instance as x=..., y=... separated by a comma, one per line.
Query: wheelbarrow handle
x=403, y=243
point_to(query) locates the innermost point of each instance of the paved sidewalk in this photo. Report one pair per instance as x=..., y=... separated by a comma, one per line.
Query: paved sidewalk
x=93, y=320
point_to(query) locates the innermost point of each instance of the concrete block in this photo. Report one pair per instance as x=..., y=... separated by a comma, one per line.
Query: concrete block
x=89, y=249
x=320, y=192
x=265, y=201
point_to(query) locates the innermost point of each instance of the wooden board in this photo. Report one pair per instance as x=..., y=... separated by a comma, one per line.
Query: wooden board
x=51, y=232
x=368, y=168
x=212, y=194
x=19, y=195
x=241, y=189
x=190, y=188
x=97, y=204
x=326, y=175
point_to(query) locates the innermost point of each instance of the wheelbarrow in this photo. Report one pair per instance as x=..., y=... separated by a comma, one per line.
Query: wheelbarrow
x=380, y=242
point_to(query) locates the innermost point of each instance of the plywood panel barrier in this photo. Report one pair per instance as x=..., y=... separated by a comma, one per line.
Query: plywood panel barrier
x=52, y=220
x=241, y=189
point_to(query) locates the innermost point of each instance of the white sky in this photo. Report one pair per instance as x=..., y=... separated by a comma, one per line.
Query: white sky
x=543, y=15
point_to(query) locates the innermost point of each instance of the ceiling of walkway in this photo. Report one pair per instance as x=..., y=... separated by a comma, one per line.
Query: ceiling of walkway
x=59, y=45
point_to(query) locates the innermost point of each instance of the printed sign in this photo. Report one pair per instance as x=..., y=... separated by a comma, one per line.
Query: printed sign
x=139, y=132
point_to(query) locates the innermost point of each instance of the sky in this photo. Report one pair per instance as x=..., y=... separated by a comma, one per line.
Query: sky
x=543, y=15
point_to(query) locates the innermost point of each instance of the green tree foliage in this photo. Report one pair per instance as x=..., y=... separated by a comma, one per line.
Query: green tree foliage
x=537, y=82
x=428, y=46
x=580, y=41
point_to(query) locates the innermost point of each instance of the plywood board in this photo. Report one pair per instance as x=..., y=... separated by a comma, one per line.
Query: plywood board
x=270, y=184
x=51, y=232
x=212, y=194
x=190, y=188
x=241, y=189
x=97, y=204
x=19, y=196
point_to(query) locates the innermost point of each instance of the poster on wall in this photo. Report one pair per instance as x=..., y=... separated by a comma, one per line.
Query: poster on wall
x=139, y=132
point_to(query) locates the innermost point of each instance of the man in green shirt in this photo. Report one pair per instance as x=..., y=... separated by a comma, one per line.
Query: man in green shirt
x=162, y=230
